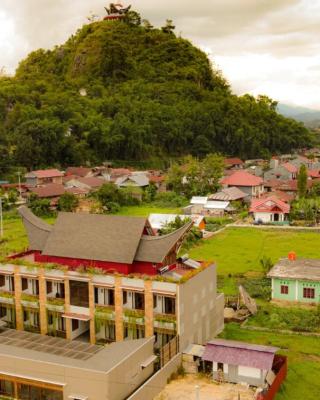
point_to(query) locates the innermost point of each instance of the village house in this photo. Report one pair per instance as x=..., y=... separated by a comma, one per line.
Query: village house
x=203, y=206
x=139, y=180
x=43, y=177
x=286, y=171
x=233, y=163
x=229, y=194
x=89, y=184
x=269, y=210
x=246, y=182
x=233, y=361
x=159, y=221
x=51, y=191
x=81, y=172
x=296, y=279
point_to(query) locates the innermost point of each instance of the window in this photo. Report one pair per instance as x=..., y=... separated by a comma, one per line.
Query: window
x=139, y=301
x=75, y=324
x=2, y=280
x=24, y=283
x=49, y=287
x=169, y=305
x=110, y=297
x=308, y=293
x=154, y=301
x=6, y=388
x=220, y=367
x=79, y=293
x=124, y=297
x=284, y=289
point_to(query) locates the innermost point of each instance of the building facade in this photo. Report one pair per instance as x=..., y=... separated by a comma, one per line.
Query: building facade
x=296, y=280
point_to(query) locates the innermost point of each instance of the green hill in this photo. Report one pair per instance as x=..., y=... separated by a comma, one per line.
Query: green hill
x=116, y=91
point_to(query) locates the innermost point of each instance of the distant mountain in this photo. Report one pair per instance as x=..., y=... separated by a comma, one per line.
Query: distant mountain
x=310, y=117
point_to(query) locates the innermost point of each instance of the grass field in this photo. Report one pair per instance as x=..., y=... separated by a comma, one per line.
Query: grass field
x=303, y=353
x=239, y=250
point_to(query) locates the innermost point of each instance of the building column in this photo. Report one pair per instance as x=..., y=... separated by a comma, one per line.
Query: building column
x=148, y=305
x=17, y=293
x=43, y=302
x=92, y=311
x=118, y=306
x=297, y=290
x=67, y=308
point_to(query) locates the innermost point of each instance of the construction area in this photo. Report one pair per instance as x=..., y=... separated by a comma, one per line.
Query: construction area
x=192, y=387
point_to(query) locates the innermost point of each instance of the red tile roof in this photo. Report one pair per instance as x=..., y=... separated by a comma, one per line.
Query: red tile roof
x=269, y=204
x=46, y=173
x=242, y=178
x=312, y=173
x=233, y=161
x=78, y=171
x=290, y=167
x=92, y=182
x=50, y=190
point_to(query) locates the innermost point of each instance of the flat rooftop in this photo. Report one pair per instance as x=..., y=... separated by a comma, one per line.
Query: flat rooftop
x=76, y=354
x=301, y=268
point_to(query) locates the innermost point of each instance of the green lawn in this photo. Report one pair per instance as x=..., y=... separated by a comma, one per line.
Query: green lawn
x=239, y=250
x=303, y=353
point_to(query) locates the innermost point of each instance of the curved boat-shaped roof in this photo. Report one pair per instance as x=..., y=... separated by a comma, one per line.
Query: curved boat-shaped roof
x=155, y=248
x=37, y=230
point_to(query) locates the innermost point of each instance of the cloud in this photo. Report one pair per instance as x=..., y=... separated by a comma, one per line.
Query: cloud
x=268, y=46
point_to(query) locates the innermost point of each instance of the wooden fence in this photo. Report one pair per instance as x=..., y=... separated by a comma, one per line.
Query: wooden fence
x=168, y=351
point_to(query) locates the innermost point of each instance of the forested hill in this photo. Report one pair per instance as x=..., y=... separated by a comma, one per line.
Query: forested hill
x=117, y=90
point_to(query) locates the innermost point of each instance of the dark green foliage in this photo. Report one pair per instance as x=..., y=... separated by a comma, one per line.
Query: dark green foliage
x=111, y=198
x=302, y=181
x=169, y=199
x=149, y=96
x=258, y=287
x=68, y=202
x=40, y=207
x=174, y=225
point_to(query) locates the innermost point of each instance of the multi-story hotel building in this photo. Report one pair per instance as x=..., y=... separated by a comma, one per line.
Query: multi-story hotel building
x=102, y=279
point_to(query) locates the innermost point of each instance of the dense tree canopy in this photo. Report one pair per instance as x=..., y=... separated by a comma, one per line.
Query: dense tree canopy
x=122, y=90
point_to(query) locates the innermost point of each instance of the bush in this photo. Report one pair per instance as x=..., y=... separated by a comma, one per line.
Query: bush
x=169, y=199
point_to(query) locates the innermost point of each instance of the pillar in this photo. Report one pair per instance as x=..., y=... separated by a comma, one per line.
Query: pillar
x=17, y=292
x=92, y=310
x=118, y=306
x=148, y=304
x=67, y=308
x=42, y=303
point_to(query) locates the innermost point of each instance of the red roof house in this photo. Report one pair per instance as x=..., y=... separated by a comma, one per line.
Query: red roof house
x=270, y=209
x=43, y=177
x=233, y=163
x=248, y=183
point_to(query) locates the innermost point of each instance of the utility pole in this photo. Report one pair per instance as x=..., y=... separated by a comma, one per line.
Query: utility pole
x=1, y=219
x=20, y=198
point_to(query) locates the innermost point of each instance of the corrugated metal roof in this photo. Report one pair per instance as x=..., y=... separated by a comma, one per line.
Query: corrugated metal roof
x=216, y=205
x=199, y=200
x=240, y=353
x=304, y=269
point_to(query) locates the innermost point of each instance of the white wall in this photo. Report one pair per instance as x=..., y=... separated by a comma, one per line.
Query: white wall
x=249, y=372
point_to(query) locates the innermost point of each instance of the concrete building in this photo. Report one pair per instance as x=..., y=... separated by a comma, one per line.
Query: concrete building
x=296, y=280
x=236, y=362
x=270, y=210
x=105, y=301
x=248, y=183
x=35, y=367
x=43, y=177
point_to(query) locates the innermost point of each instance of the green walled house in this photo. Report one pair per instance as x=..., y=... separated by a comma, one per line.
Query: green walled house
x=296, y=280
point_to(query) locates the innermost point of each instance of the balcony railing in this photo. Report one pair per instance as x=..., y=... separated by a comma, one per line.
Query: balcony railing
x=29, y=300
x=104, y=312
x=55, y=304
x=133, y=316
x=7, y=297
x=165, y=321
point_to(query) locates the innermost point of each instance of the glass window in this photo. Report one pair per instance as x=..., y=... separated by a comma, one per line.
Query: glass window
x=308, y=293
x=284, y=289
x=6, y=388
x=169, y=305
x=79, y=294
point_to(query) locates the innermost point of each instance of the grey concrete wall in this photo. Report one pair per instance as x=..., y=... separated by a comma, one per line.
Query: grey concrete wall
x=129, y=375
x=200, y=308
x=158, y=381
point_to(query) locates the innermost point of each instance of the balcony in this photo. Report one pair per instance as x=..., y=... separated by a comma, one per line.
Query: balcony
x=104, y=312
x=30, y=300
x=165, y=321
x=55, y=304
x=31, y=328
x=7, y=297
x=133, y=316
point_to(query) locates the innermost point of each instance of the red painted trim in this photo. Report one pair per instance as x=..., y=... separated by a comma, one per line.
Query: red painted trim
x=280, y=367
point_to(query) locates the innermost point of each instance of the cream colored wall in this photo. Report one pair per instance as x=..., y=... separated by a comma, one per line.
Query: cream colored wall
x=200, y=309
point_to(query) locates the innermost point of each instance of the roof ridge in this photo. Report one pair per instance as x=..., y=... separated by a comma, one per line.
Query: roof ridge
x=149, y=237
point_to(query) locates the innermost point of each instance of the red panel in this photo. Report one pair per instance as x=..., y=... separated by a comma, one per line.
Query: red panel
x=280, y=366
x=77, y=262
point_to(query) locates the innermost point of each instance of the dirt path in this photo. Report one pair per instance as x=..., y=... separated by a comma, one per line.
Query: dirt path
x=185, y=389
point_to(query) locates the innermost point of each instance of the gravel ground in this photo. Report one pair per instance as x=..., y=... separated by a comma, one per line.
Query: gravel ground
x=185, y=389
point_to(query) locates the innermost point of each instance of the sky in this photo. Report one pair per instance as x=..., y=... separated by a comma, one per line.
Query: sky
x=267, y=47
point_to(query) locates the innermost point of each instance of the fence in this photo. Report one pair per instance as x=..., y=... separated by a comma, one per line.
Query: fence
x=280, y=367
x=168, y=351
